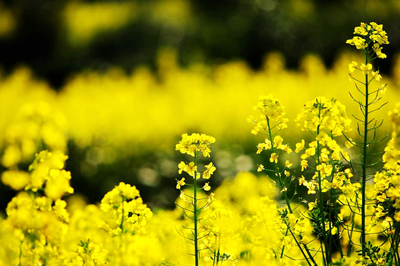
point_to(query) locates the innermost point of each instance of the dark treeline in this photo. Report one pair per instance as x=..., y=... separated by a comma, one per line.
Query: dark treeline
x=217, y=31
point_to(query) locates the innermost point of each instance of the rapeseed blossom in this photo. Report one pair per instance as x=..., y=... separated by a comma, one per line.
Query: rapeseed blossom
x=193, y=143
x=387, y=181
x=271, y=111
x=324, y=115
x=370, y=35
x=124, y=210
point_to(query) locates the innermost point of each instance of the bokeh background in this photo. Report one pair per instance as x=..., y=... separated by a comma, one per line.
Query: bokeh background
x=115, y=83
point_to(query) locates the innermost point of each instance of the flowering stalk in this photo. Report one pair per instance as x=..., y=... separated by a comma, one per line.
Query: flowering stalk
x=195, y=214
x=272, y=111
x=326, y=119
x=327, y=254
x=369, y=38
x=278, y=172
x=194, y=145
x=387, y=188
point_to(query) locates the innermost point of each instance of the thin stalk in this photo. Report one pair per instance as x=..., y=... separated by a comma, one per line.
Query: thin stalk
x=298, y=244
x=279, y=175
x=277, y=171
x=309, y=255
x=364, y=160
x=336, y=211
x=195, y=218
x=219, y=247
x=321, y=201
x=20, y=253
x=121, y=226
x=283, y=248
x=215, y=261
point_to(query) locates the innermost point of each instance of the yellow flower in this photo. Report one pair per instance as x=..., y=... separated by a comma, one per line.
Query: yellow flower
x=273, y=158
x=195, y=143
x=300, y=146
x=210, y=168
x=302, y=181
x=376, y=75
x=288, y=164
x=311, y=187
x=190, y=168
x=207, y=187
x=263, y=146
x=358, y=42
x=303, y=164
x=182, y=167
x=348, y=172
x=330, y=227
x=278, y=141
x=308, y=152
x=211, y=198
x=311, y=205
x=365, y=68
x=260, y=168
x=353, y=66
x=381, y=198
x=58, y=184
x=16, y=179
x=180, y=183
x=324, y=169
x=285, y=148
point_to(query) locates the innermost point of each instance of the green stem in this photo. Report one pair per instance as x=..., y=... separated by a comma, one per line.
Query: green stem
x=20, y=252
x=321, y=199
x=196, y=248
x=298, y=244
x=310, y=255
x=283, y=248
x=281, y=184
x=277, y=170
x=336, y=211
x=364, y=161
x=219, y=247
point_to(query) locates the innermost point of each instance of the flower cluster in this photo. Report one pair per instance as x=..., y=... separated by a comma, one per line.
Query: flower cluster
x=322, y=114
x=216, y=235
x=272, y=120
x=38, y=215
x=194, y=143
x=124, y=210
x=370, y=35
x=392, y=151
x=271, y=110
x=37, y=126
x=387, y=181
x=46, y=174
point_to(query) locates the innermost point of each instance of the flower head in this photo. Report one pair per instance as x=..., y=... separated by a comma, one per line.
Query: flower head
x=323, y=114
x=270, y=110
x=210, y=168
x=369, y=35
x=207, y=187
x=194, y=143
x=180, y=183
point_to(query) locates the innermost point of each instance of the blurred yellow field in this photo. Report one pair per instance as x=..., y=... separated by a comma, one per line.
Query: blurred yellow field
x=154, y=109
